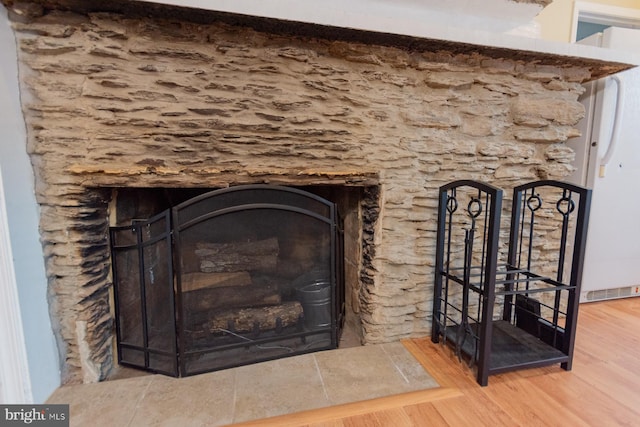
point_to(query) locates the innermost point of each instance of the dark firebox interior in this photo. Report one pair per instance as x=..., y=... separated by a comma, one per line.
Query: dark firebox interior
x=239, y=286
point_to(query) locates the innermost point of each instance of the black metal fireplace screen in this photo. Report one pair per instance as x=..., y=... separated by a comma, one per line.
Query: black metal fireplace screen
x=231, y=277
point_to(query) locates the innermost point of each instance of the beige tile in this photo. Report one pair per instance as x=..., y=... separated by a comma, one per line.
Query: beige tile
x=278, y=387
x=349, y=337
x=205, y=399
x=110, y=403
x=411, y=370
x=360, y=373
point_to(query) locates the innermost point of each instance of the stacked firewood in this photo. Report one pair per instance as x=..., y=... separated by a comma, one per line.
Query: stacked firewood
x=223, y=295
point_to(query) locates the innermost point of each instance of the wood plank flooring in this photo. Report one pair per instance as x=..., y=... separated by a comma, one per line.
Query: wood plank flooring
x=603, y=389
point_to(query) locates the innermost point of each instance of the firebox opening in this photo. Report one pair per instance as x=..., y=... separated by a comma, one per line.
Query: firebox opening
x=285, y=248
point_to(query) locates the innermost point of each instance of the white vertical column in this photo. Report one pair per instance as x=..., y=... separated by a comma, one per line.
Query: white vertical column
x=15, y=386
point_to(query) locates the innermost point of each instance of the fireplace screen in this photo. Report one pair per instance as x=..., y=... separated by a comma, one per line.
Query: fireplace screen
x=231, y=277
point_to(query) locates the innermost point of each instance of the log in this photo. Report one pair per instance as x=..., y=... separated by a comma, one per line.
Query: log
x=266, y=318
x=260, y=255
x=229, y=297
x=195, y=281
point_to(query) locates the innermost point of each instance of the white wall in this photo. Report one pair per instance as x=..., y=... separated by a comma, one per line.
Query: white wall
x=414, y=17
x=22, y=216
x=556, y=19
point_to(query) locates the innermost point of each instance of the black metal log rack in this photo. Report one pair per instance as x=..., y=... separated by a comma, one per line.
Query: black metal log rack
x=508, y=308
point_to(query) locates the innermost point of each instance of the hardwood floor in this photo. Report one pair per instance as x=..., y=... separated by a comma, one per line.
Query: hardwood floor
x=603, y=389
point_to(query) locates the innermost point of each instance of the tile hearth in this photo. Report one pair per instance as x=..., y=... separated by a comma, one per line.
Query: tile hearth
x=252, y=392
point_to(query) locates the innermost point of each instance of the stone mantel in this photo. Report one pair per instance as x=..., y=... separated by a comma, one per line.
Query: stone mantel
x=357, y=22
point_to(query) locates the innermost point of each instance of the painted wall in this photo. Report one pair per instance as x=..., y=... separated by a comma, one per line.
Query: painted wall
x=555, y=20
x=396, y=16
x=457, y=20
x=22, y=213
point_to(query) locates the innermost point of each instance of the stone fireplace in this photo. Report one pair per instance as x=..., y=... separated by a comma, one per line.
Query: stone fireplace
x=128, y=98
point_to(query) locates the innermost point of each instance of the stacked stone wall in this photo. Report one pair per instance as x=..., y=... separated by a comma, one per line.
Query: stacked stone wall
x=112, y=101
